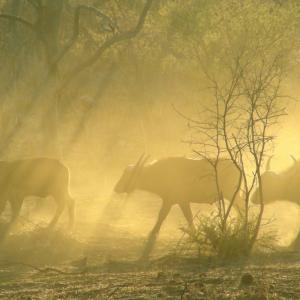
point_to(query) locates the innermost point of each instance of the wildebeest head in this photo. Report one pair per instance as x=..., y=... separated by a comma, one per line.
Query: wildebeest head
x=274, y=185
x=127, y=182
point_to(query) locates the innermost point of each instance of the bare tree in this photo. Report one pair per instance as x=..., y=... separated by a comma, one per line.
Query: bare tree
x=48, y=22
x=245, y=80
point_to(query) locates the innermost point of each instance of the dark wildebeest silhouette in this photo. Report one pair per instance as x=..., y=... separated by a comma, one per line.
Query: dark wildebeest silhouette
x=283, y=186
x=178, y=180
x=39, y=177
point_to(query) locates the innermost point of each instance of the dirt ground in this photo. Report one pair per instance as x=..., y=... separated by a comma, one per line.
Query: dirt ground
x=100, y=261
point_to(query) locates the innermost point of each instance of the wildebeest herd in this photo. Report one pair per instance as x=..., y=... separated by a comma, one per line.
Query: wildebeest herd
x=39, y=177
x=181, y=181
x=176, y=180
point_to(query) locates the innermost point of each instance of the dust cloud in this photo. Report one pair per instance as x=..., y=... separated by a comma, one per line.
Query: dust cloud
x=105, y=119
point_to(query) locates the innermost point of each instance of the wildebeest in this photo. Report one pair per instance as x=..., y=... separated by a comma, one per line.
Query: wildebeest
x=39, y=177
x=284, y=185
x=178, y=180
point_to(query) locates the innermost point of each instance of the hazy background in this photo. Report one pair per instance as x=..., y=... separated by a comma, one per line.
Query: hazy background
x=122, y=105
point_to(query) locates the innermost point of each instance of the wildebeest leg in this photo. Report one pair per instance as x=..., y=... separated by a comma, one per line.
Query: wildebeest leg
x=71, y=211
x=59, y=209
x=16, y=204
x=3, y=229
x=164, y=211
x=2, y=206
x=187, y=212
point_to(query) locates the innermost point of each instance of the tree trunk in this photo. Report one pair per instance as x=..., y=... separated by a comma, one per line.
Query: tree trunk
x=49, y=24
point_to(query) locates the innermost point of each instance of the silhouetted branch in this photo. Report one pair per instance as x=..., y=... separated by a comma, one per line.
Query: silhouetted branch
x=26, y=24
x=35, y=3
x=20, y=21
x=42, y=270
x=76, y=30
x=106, y=45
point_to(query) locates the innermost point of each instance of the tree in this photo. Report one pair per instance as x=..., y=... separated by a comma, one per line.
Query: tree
x=245, y=78
x=60, y=66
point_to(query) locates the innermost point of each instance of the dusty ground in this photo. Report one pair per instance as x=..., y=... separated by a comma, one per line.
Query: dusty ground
x=39, y=264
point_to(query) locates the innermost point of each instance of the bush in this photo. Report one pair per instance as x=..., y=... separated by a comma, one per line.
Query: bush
x=226, y=242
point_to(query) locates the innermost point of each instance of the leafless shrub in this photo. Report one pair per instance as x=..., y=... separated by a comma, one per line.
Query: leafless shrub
x=231, y=242
x=238, y=123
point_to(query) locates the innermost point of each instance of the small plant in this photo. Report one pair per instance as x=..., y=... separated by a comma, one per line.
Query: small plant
x=230, y=242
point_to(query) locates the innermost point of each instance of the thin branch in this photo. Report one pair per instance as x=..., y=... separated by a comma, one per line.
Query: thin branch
x=42, y=270
x=20, y=21
x=106, y=45
x=76, y=30
x=35, y=3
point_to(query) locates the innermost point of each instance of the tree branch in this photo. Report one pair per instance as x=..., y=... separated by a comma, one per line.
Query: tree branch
x=106, y=45
x=26, y=23
x=19, y=20
x=76, y=30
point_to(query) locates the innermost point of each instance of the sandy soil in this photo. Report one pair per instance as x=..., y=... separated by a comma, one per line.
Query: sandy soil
x=99, y=261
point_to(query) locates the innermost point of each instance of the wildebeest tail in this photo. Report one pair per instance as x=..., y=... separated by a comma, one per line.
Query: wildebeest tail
x=71, y=211
x=70, y=203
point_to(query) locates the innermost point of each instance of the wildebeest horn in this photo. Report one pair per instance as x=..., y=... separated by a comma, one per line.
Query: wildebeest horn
x=136, y=168
x=138, y=162
x=294, y=159
x=135, y=171
x=268, y=165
